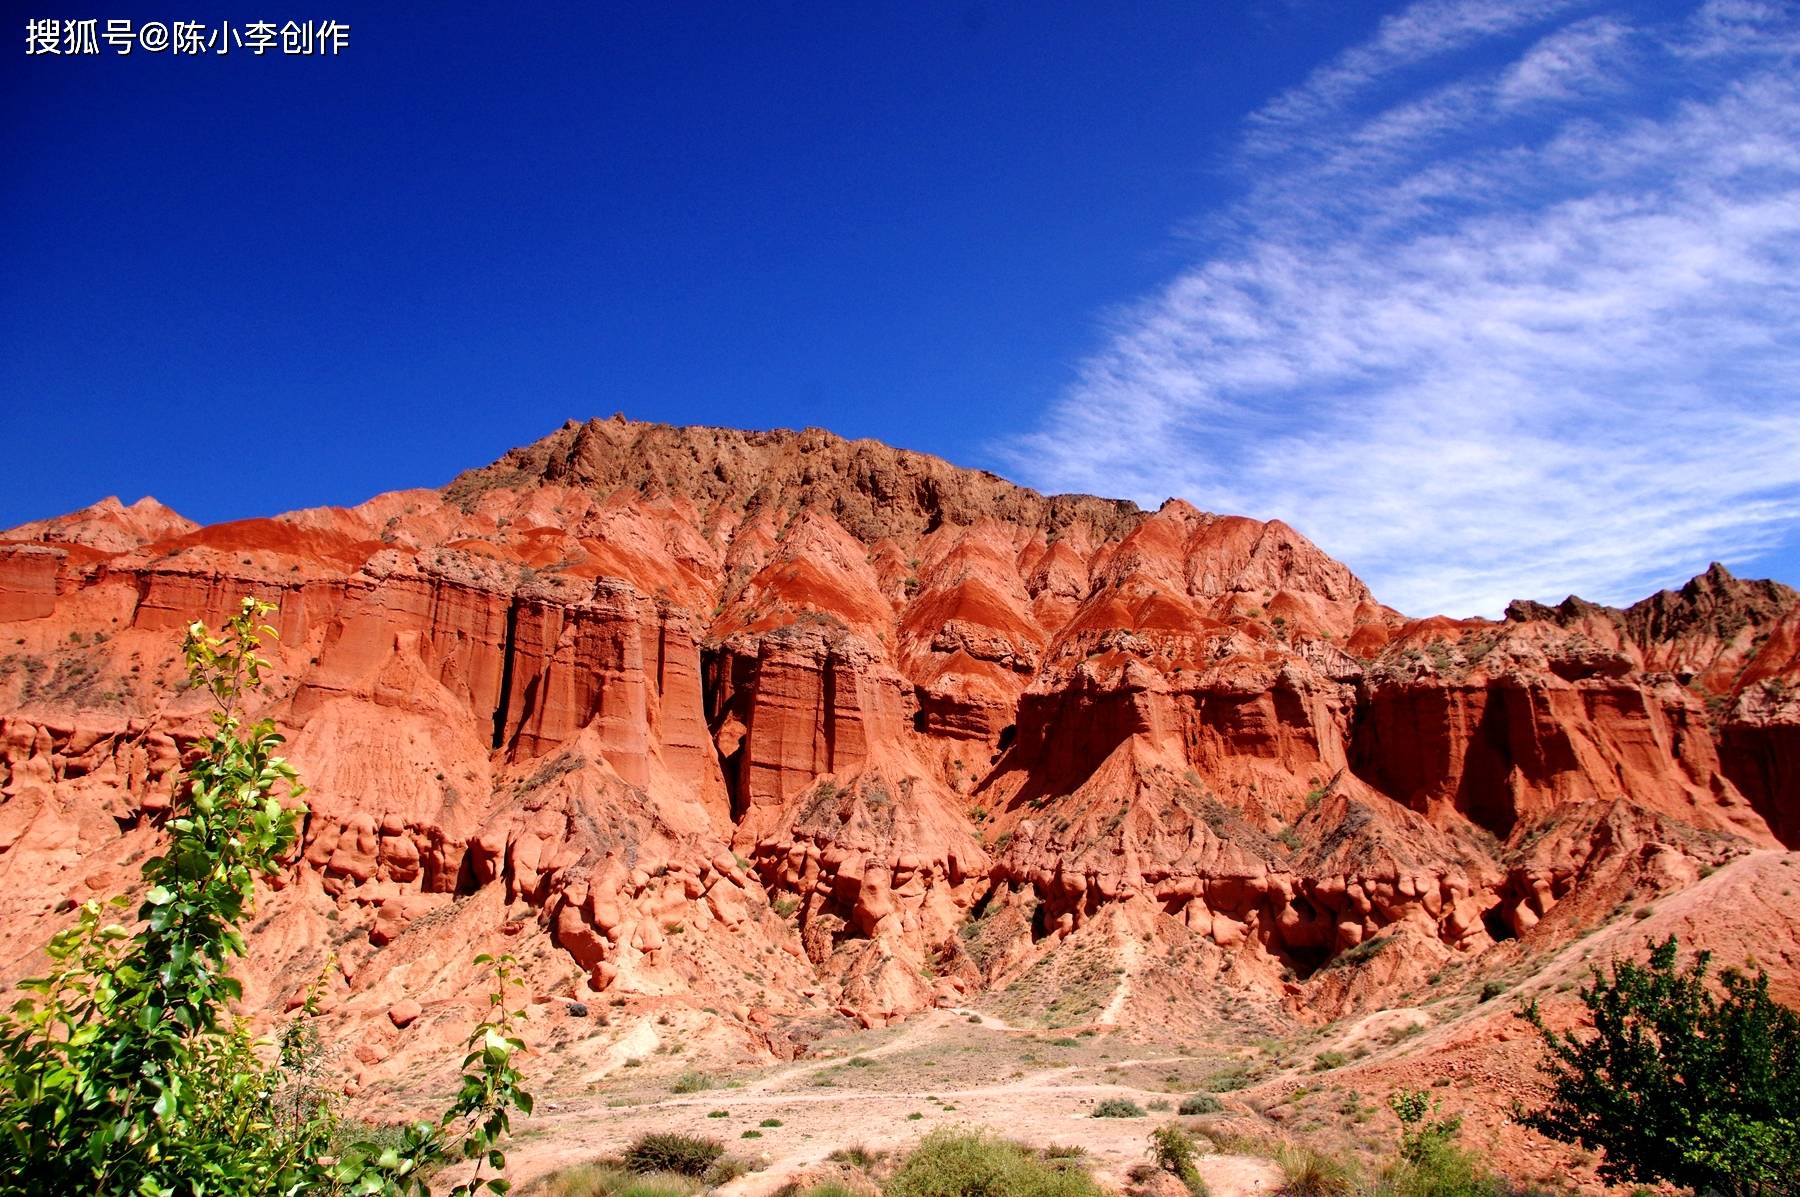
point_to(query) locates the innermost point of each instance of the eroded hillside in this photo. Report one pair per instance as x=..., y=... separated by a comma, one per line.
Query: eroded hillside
x=772, y=728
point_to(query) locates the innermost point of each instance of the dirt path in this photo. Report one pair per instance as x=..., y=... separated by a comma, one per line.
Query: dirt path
x=1131, y=953
x=916, y=1031
x=815, y=1117
x=990, y=1021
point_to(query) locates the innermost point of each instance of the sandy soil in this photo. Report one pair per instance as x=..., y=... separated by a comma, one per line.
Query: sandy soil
x=886, y=1090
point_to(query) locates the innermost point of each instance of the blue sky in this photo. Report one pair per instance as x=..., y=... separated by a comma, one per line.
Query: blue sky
x=1491, y=300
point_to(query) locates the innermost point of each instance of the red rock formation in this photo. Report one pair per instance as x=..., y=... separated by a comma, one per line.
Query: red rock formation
x=776, y=717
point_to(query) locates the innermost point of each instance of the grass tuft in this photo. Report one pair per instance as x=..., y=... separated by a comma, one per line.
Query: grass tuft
x=1309, y=1173
x=608, y=1180
x=950, y=1163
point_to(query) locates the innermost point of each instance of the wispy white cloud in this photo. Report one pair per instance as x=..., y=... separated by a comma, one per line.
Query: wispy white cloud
x=1513, y=327
x=1568, y=63
x=1418, y=36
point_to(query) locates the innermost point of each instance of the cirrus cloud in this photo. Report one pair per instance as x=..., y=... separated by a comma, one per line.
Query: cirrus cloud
x=1510, y=308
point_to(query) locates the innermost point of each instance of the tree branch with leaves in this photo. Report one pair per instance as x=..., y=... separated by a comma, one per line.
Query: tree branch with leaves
x=122, y=1070
x=1683, y=1081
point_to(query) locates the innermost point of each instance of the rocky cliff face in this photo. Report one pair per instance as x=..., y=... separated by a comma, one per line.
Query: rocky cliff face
x=784, y=725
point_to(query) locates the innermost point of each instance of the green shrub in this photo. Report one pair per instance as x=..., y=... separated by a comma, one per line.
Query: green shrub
x=1230, y=1078
x=1430, y=1162
x=724, y=1170
x=1173, y=1150
x=666, y=1151
x=693, y=1081
x=1326, y=1061
x=1200, y=1103
x=950, y=1163
x=857, y=1156
x=1491, y=990
x=1118, y=1107
x=1441, y=1169
x=769, y=1122
x=1368, y=949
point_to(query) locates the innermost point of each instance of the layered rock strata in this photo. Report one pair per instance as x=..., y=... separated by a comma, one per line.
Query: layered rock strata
x=801, y=723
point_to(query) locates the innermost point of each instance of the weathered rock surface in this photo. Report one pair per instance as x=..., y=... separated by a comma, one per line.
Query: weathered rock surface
x=780, y=722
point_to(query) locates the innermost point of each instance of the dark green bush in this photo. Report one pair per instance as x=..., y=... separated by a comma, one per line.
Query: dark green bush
x=1680, y=1082
x=1200, y=1103
x=1118, y=1107
x=666, y=1151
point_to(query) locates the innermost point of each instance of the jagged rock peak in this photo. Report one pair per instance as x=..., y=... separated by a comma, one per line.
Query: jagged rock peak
x=872, y=489
x=1571, y=610
x=1714, y=601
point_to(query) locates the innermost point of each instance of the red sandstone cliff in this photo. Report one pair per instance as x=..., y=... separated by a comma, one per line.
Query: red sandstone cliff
x=784, y=723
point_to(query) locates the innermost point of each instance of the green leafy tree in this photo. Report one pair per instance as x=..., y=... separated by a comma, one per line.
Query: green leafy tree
x=121, y=1072
x=1682, y=1081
